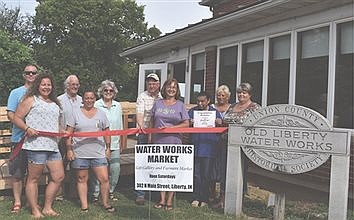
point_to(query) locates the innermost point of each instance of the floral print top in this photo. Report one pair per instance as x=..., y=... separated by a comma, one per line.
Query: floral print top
x=232, y=117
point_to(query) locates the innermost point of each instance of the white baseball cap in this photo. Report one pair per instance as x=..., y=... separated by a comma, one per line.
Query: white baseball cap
x=153, y=76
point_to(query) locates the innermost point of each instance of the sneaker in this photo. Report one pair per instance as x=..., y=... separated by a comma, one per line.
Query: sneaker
x=59, y=198
x=95, y=199
x=195, y=203
x=140, y=200
x=112, y=197
x=202, y=204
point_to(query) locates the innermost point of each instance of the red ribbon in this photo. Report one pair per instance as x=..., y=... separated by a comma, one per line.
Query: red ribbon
x=130, y=131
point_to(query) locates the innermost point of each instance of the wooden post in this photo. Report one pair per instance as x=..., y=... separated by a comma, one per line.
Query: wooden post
x=125, y=126
x=338, y=193
x=234, y=181
x=279, y=208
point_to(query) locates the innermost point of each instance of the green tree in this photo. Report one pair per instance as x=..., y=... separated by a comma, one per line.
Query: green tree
x=85, y=37
x=14, y=55
x=17, y=25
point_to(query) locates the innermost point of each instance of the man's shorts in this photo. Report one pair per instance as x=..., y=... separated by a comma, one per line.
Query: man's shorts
x=42, y=157
x=18, y=166
x=86, y=163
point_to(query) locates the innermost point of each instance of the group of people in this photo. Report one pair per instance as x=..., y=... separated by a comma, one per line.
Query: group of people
x=34, y=107
x=210, y=150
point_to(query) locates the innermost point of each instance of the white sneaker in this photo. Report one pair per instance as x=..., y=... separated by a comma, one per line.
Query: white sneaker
x=202, y=204
x=195, y=203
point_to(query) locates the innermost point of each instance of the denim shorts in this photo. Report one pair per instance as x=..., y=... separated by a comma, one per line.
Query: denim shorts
x=42, y=157
x=85, y=163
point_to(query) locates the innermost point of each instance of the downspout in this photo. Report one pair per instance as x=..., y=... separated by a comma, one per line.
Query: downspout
x=188, y=76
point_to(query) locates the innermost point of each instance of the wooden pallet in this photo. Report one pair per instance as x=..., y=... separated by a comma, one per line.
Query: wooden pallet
x=5, y=134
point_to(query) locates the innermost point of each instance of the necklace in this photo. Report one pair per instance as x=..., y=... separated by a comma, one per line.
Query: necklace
x=223, y=107
x=241, y=106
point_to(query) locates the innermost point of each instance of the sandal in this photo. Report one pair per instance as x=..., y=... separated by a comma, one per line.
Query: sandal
x=110, y=209
x=169, y=207
x=84, y=210
x=159, y=206
x=16, y=208
x=51, y=213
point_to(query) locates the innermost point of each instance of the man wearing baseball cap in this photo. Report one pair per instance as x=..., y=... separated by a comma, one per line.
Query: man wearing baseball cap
x=144, y=105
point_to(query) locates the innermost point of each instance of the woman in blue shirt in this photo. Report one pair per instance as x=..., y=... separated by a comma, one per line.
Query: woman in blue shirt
x=107, y=92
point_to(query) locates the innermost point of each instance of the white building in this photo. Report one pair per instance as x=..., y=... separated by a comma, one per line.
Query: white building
x=291, y=51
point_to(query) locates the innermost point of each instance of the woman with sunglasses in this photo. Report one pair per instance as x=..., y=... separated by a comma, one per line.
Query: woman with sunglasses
x=107, y=91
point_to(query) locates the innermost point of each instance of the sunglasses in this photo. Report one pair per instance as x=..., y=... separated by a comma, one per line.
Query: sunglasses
x=108, y=90
x=27, y=73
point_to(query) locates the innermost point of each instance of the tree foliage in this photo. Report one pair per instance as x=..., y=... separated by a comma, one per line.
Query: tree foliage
x=17, y=25
x=14, y=55
x=85, y=37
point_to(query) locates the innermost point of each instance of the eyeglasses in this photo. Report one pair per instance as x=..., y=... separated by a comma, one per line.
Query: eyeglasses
x=108, y=90
x=27, y=73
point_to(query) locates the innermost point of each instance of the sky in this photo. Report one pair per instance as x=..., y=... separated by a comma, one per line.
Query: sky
x=167, y=15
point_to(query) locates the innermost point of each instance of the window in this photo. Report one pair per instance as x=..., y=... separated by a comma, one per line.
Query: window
x=179, y=72
x=312, y=69
x=344, y=82
x=228, y=69
x=252, y=68
x=279, y=70
x=197, y=76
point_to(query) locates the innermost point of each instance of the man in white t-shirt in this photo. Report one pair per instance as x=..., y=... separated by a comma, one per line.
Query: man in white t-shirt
x=69, y=101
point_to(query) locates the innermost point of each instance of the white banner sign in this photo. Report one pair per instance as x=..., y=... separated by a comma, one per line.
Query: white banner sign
x=164, y=167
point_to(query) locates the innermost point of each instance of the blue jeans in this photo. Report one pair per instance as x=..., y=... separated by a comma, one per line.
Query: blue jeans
x=142, y=139
x=114, y=171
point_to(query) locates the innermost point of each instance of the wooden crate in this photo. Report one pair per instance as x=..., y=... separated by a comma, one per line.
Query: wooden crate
x=129, y=113
x=5, y=133
x=5, y=177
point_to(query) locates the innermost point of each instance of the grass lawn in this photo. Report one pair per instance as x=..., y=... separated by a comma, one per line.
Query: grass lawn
x=127, y=209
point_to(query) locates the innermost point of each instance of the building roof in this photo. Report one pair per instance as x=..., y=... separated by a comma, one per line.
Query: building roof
x=236, y=22
x=206, y=2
